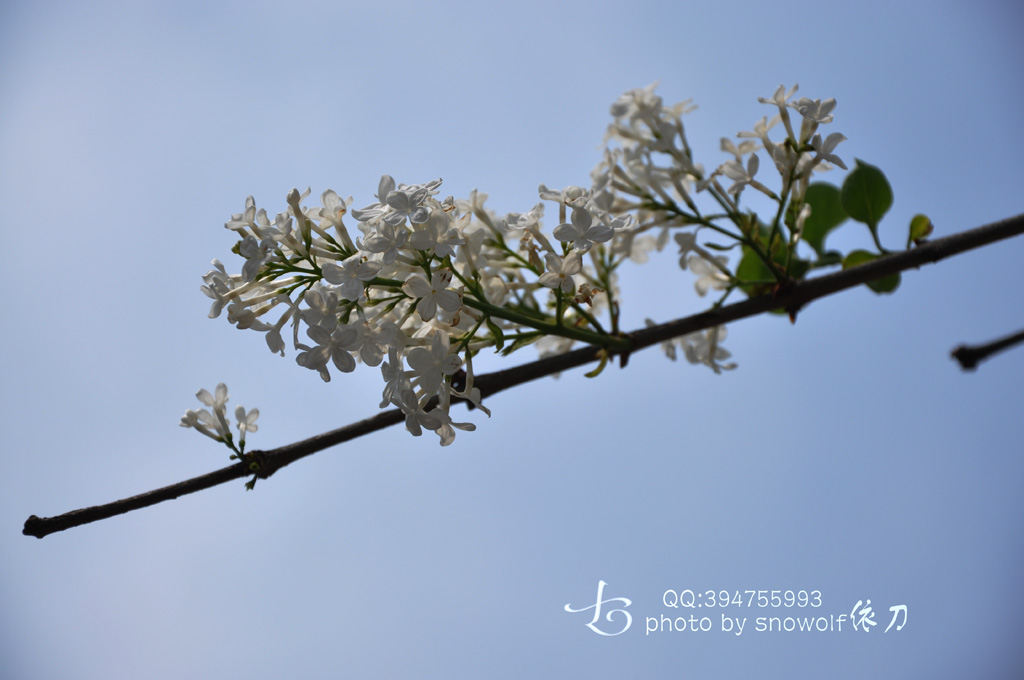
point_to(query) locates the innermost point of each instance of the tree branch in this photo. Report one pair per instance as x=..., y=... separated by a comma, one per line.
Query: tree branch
x=970, y=356
x=790, y=299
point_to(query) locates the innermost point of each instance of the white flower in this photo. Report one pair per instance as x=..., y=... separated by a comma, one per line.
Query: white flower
x=710, y=276
x=385, y=239
x=551, y=345
x=218, y=286
x=469, y=392
x=760, y=132
x=801, y=220
x=433, y=294
x=815, y=110
x=273, y=337
x=444, y=427
x=246, y=423
x=560, y=272
x=741, y=177
x=280, y=230
x=239, y=221
x=779, y=99
x=256, y=253
x=371, y=341
x=825, y=149
x=740, y=150
x=635, y=247
x=437, y=236
x=687, y=244
x=786, y=160
x=429, y=366
x=524, y=221
x=334, y=208
x=336, y=346
x=351, y=275
x=294, y=200
x=396, y=383
x=322, y=308
x=570, y=196
x=640, y=102
x=202, y=421
x=212, y=421
x=241, y=315
x=704, y=348
x=582, y=232
x=407, y=204
x=415, y=417
x=215, y=400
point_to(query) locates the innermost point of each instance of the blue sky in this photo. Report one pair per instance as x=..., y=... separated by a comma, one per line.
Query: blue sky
x=846, y=454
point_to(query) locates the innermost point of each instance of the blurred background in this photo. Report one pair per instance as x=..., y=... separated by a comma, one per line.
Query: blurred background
x=847, y=453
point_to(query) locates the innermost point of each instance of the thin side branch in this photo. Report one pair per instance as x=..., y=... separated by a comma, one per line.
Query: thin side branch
x=970, y=356
x=790, y=299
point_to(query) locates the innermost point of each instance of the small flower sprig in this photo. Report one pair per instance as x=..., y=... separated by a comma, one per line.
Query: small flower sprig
x=212, y=421
x=418, y=285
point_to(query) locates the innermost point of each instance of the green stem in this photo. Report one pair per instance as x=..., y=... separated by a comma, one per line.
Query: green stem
x=775, y=229
x=580, y=334
x=878, y=244
x=588, y=316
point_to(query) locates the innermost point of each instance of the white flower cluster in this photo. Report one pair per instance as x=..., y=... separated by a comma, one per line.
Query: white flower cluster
x=418, y=285
x=647, y=132
x=212, y=421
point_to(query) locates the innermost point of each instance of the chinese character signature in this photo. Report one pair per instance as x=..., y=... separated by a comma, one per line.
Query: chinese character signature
x=608, y=617
x=863, y=616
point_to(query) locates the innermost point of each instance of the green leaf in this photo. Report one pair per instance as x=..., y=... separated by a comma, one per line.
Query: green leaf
x=886, y=284
x=832, y=257
x=600, y=367
x=753, y=268
x=798, y=268
x=826, y=214
x=866, y=194
x=718, y=246
x=496, y=333
x=522, y=340
x=920, y=227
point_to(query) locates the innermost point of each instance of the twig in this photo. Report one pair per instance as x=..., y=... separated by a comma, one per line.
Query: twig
x=790, y=299
x=970, y=356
